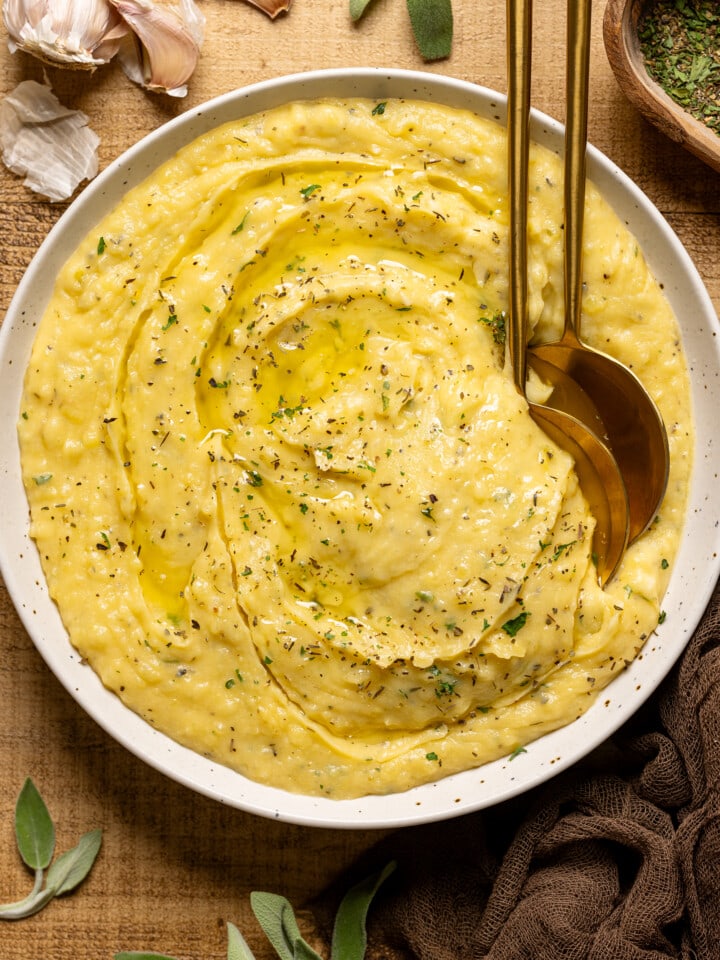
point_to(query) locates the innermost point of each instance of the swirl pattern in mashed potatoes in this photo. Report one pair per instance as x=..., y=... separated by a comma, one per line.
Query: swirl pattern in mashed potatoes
x=288, y=501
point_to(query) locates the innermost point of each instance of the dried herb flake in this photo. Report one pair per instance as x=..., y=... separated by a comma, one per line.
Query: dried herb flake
x=680, y=44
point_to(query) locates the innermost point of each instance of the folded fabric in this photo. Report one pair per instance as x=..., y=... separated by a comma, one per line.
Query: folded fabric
x=616, y=859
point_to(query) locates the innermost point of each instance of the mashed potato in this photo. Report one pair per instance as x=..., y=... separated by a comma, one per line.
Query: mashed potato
x=287, y=499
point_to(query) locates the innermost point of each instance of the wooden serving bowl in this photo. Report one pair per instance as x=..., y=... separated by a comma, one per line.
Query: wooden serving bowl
x=623, y=51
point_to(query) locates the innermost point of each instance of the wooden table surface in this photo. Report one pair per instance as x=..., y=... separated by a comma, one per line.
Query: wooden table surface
x=174, y=866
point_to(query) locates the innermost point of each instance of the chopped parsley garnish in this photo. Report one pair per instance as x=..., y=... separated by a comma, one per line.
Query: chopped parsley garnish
x=497, y=325
x=512, y=627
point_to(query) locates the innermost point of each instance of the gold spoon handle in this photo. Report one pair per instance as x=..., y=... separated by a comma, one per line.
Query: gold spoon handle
x=577, y=74
x=519, y=58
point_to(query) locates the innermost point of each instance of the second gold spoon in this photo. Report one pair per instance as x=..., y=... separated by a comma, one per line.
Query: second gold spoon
x=633, y=427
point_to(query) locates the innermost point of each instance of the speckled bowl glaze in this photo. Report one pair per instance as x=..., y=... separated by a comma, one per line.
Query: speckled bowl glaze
x=693, y=577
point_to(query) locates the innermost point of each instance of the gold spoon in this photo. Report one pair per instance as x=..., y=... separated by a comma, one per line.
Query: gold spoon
x=597, y=470
x=634, y=429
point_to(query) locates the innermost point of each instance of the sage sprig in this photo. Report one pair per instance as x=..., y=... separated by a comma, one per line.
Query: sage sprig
x=276, y=916
x=237, y=949
x=432, y=24
x=35, y=836
x=349, y=940
x=431, y=21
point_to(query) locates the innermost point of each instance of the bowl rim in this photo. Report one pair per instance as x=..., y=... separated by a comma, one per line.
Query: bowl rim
x=461, y=793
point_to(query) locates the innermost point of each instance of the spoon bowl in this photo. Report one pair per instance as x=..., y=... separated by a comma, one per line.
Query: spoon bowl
x=631, y=423
x=600, y=481
x=566, y=394
x=598, y=473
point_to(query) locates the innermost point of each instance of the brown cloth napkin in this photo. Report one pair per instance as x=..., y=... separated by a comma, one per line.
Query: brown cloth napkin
x=616, y=859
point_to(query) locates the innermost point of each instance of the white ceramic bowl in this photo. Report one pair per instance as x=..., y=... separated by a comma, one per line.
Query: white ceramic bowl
x=694, y=575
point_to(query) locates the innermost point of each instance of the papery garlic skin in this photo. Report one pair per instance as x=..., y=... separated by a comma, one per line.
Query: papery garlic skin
x=49, y=144
x=163, y=48
x=73, y=33
x=272, y=7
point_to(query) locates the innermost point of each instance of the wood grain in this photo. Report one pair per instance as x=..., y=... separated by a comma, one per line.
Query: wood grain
x=175, y=866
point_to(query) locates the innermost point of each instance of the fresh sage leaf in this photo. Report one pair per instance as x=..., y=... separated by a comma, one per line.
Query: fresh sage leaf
x=349, y=939
x=358, y=8
x=72, y=867
x=30, y=905
x=432, y=24
x=277, y=918
x=34, y=828
x=237, y=946
x=35, y=834
x=303, y=951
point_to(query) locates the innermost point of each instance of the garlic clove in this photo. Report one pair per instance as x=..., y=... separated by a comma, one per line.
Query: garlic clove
x=73, y=33
x=271, y=7
x=163, y=49
x=45, y=142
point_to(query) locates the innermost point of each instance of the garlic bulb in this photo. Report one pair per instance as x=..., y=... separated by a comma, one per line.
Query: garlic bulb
x=76, y=33
x=45, y=142
x=163, y=49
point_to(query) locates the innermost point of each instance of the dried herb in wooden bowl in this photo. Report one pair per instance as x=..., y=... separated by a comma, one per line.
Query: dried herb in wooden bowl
x=680, y=44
